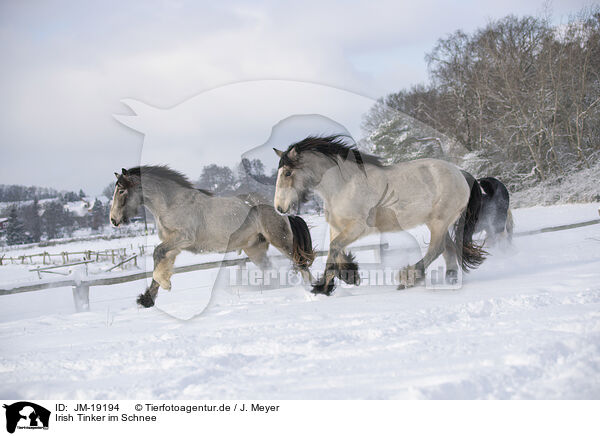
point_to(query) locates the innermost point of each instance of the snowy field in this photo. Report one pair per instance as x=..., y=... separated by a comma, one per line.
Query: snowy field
x=526, y=324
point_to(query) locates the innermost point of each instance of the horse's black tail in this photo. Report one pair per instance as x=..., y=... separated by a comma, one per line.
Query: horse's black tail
x=473, y=254
x=304, y=254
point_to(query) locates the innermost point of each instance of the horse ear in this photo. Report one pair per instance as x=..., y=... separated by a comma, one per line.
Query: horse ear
x=292, y=153
x=125, y=172
x=117, y=176
x=278, y=152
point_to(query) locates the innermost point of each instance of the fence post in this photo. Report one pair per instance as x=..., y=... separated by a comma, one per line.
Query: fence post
x=81, y=297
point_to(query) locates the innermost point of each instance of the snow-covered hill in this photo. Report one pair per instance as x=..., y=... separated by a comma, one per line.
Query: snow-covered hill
x=524, y=325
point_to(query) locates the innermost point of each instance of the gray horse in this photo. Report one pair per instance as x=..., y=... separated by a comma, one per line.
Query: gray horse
x=195, y=220
x=362, y=195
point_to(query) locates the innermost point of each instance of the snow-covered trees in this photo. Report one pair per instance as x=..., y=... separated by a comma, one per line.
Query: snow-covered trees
x=249, y=177
x=521, y=96
x=15, y=230
x=10, y=193
x=56, y=220
x=98, y=216
x=217, y=179
x=32, y=220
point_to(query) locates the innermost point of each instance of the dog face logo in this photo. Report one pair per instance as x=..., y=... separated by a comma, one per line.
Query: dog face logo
x=26, y=415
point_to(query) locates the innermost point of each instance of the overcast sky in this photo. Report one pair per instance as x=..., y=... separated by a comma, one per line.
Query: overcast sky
x=67, y=64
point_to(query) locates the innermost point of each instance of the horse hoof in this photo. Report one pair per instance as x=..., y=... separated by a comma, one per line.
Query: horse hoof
x=452, y=277
x=410, y=278
x=403, y=286
x=145, y=300
x=320, y=288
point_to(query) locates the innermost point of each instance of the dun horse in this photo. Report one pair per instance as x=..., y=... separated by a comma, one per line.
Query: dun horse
x=195, y=220
x=362, y=195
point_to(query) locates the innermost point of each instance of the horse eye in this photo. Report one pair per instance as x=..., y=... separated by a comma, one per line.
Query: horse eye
x=121, y=191
x=288, y=173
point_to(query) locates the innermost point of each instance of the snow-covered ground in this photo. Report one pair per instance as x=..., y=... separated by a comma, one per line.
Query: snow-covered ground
x=526, y=324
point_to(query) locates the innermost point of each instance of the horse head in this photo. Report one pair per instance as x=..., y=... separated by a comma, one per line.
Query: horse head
x=127, y=198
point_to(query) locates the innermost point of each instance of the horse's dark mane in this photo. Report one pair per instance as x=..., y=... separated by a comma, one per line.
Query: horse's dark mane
x=332, y=147
x=164, y=172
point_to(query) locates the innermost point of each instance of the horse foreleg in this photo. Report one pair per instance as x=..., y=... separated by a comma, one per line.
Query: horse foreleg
x=326, y=284
x=339, y=263
x=164, y=257
x=147, y=298
x=163, y=269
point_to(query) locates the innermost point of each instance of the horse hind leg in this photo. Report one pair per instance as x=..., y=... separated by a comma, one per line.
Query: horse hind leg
x=451, y=259
x=415, y=274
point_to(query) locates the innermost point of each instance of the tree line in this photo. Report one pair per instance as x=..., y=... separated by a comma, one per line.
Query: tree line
x=519, y=97
x=31, y=221
x=27, y=223
x=249, y=176
x=10, y=193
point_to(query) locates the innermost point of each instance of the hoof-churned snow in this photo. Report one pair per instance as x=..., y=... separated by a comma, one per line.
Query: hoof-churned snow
x=524, y=325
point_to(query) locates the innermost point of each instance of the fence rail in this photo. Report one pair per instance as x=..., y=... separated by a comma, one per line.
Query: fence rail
x=81, y=288
x=114, y=255
x=558, y=228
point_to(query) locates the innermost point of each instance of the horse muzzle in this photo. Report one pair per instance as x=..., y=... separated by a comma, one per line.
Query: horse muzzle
x=291, y=207
x=117, y=222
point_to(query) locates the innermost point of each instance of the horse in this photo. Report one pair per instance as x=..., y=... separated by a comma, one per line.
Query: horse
x=362, y=195
x=196, y=220
x=495, y=217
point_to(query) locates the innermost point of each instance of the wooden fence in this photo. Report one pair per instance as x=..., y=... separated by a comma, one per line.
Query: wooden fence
x=114, y=255
x=81, y=288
